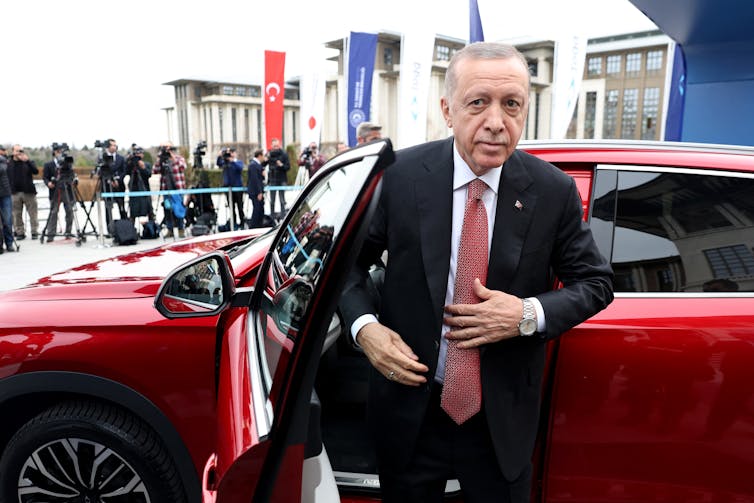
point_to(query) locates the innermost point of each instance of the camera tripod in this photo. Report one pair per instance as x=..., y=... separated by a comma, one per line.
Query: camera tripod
x=66, y=192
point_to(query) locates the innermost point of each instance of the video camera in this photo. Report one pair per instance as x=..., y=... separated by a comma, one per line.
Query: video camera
x=201, y=148
x=164, y=153
x=65, y=162
x=134, y=156
x=104, y=167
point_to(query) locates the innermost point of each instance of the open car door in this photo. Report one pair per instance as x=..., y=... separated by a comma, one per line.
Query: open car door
x=272, y=340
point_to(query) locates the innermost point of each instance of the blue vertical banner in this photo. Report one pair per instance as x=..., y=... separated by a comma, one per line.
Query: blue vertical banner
x=361, y=52
x=676, y=97
x=475, y=23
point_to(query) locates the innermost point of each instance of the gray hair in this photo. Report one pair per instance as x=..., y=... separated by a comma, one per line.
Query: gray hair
x=480, y=50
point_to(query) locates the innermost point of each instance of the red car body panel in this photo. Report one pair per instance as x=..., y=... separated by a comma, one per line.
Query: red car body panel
x=99, y=320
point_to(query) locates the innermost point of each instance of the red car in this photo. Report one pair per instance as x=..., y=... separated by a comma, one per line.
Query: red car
x=241, y=386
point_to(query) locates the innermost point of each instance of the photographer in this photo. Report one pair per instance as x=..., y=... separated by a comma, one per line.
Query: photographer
x=232, y=177
x=112, y=172
x=172, y=168
x=58, y=176
x=21, y=171
x=138, y=171
x=312, y=160
x=6, y=204
x=278, y=163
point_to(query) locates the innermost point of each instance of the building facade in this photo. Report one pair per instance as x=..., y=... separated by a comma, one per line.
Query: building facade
x=622, y=95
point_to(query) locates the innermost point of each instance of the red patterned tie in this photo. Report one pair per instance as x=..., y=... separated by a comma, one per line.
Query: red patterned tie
x=462, y=387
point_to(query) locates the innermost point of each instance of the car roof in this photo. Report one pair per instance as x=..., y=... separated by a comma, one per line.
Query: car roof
x=634, y=152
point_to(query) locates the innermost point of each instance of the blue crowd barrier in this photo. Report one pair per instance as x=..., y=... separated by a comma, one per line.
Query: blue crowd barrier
x=211, y=190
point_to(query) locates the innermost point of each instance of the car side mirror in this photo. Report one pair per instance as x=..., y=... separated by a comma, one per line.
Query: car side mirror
x=202, y=287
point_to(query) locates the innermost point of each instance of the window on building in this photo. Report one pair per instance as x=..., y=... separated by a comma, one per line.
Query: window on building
x=590, y=114
x=241, y=91
x=255, y=91
x=672, y=231
x=220, y=121
x=610, y=123
x=291, y=94
x=387, y=57
x=727, y=261
x=197, y=92
x=633, y=63
x=205, y=124
x=613, y=64
x=533, y=66
x=211, y=127
x=234, y=129
x=654, y=61
x=594, y=66
x=443, y=53
x=259, y=129
x=228, y=90
x=649, y=113
x=247, y=126
x=629, y=115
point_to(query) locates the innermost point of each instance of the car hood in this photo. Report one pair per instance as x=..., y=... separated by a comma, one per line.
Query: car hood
x=136, y=274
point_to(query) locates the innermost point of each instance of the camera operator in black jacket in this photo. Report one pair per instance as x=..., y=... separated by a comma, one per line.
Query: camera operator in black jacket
x=112, y=180
x=138, y=171
x=59, y=179
x=277, y=174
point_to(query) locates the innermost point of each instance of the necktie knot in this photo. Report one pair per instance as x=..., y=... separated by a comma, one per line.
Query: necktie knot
x=476, y=189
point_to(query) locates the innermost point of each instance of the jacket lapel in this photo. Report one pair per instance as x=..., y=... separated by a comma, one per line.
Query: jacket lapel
x=434, y=197
x=515, y=208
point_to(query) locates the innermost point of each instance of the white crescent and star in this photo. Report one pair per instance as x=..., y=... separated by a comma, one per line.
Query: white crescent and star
x=269, y=88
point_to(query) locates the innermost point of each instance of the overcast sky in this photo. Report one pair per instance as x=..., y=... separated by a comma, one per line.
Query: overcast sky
x=75, y=71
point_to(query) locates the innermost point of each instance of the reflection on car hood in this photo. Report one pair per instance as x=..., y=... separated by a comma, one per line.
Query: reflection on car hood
x=136, y=274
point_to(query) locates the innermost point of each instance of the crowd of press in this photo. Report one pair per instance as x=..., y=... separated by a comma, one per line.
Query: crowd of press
x=117, y=176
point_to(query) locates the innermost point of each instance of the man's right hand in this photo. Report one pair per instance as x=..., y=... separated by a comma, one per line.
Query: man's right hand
x=392, y=357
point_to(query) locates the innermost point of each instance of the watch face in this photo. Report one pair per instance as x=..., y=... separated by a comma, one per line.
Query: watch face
x=527, y=327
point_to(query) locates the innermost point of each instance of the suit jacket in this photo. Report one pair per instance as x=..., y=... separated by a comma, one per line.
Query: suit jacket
x=49, y=171
x=531, y=246
x=255, y=178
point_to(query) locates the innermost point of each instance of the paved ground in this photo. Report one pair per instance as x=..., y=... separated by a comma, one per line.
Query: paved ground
x=35, y=260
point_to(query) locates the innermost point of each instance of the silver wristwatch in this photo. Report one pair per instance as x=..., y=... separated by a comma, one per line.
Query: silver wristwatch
x=528, y=324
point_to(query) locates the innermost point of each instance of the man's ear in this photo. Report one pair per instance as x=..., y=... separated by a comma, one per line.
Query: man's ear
x=445, y=107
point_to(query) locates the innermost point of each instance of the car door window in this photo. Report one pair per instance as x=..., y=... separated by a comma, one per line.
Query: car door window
x=297, y=263
x=676, y=230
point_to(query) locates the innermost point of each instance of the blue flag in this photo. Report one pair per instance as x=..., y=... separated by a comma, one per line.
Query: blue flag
x=676, y=97
x=475, y=23
x=361, y=51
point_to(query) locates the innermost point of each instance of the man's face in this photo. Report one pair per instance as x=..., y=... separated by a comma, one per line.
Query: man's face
x=112, y=147
x=487, y=110
x=18, y=152
x=275, y=144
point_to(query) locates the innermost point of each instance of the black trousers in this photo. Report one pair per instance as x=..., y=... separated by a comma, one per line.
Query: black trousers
x=257, y=212
x=236, y=204
x=445, y=450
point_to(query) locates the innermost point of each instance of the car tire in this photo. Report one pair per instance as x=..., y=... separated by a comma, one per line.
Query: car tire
x=86, y=450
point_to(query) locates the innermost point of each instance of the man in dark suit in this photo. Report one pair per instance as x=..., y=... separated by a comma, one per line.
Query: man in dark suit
x=111, y=178
x=61, y=192
x=255, y=187
x=455, y=384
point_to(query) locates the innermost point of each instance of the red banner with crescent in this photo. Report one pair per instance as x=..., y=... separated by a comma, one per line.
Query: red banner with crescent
x=274, y=92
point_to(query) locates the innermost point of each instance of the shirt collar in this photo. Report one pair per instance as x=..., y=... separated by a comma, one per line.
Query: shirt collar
x=462, y=174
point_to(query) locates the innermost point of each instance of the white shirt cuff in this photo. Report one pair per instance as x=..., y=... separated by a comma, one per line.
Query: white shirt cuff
x=362, y=320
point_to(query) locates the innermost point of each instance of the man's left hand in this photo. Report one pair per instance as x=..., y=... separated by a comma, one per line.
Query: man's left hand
x=493, y=319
